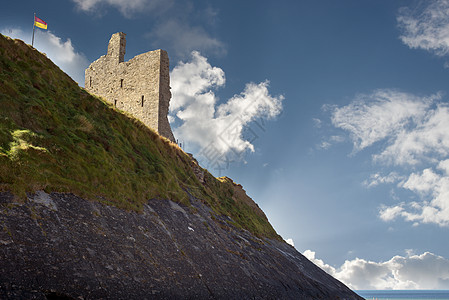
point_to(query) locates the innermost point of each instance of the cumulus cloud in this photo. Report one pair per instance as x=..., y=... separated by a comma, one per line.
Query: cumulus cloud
x=414, y=134
x=126, y=7
x=217, y=129
x=390, y=213
x=426, y=27
x=429, y=184
x=61, y=52
x=424, y=271
x=183, y=38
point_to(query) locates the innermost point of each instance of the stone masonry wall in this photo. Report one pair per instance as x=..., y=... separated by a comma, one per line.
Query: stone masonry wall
x=140, y=86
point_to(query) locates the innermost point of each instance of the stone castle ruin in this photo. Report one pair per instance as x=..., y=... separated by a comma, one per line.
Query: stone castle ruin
x=140, y=86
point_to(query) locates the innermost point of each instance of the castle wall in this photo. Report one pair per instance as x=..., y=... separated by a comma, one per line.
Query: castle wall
x=140, y=86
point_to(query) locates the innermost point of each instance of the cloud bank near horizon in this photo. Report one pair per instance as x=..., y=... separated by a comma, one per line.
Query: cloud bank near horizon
x=423, y=271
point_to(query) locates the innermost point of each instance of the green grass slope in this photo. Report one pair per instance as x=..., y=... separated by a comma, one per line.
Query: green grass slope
x=55, y=136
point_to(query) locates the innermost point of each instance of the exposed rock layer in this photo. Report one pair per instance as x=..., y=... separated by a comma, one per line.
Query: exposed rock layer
x=59, y=245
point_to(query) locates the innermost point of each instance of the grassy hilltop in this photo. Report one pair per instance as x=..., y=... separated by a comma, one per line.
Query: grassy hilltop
x=55, y=136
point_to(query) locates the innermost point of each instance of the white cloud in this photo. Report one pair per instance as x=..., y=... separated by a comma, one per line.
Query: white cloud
x=193, y=78
x=426, y=27
x=414, y=132
x=62, y=53
x=183, y=38
x=390, y=213
x=425, y=271
x=87, y=4
x=290, y=242
x=310, y=255
x=433, y=187
x=376, y=179
x=337, y=138
x=324, y=145
x=371, y=118
x=126, y=7
x=216, y=129
x=422, y=183
x=427, y=140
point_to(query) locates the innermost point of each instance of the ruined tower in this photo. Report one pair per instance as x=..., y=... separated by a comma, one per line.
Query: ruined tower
x=140, y=86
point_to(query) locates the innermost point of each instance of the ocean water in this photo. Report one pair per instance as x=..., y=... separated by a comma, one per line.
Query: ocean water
x=405, y=295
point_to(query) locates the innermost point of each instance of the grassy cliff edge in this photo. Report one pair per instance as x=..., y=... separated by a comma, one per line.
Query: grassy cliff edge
x=55, y=136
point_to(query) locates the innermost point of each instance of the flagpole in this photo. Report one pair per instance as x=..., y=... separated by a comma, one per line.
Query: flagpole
x=34, y=21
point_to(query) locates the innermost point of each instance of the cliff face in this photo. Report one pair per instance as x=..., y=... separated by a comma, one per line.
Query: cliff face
x=93, y=204
x=61, y=245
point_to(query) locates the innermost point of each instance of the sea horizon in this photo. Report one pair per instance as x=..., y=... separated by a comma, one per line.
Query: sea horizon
x=404, y=294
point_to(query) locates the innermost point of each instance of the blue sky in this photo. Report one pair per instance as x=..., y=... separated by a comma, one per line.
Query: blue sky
x=333, y=115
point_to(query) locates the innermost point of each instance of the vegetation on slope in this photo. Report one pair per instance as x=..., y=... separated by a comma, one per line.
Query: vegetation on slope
x=55, y=136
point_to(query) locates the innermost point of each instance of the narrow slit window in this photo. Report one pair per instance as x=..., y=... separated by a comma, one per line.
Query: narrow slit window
x=90, y=82
x=141, y=103
x=115, y=103
x=121, y=83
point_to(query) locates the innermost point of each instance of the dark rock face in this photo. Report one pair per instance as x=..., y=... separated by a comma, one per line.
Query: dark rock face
x=59, y=246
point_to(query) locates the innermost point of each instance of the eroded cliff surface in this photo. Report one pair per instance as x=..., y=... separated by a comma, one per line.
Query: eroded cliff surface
x=61, y=245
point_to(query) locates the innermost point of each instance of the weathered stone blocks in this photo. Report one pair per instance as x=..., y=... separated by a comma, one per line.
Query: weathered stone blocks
x=140, y=86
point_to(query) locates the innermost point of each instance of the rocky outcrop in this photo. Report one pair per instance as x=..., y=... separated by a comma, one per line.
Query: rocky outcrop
x=62, y=246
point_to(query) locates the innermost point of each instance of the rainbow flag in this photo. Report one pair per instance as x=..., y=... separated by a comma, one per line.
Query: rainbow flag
x=39, y=23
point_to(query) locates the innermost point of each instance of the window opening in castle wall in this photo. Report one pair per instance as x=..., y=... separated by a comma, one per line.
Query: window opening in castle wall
x=142, y=101
x=90, y=81
x=121, y=83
